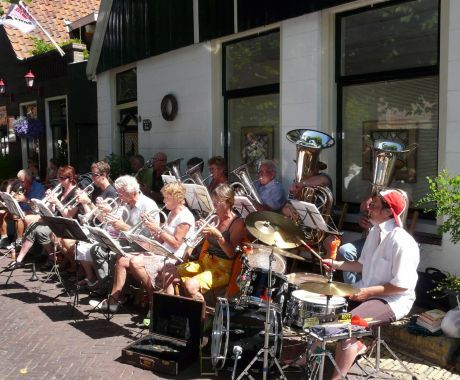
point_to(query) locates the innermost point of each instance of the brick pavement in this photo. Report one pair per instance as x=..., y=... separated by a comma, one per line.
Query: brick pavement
x=40, y=339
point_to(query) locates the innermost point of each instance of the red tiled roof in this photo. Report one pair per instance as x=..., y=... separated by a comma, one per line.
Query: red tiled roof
x=51, y=15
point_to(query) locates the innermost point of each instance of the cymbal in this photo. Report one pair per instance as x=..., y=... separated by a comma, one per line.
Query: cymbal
x=329, y=288
x=299, y=278
x=274, y=229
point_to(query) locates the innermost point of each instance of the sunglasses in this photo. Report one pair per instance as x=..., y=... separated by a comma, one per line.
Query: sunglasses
x=63, y=178
x=96, y=174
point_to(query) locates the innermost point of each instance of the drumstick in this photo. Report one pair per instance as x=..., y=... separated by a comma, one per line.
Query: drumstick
x=311, y=250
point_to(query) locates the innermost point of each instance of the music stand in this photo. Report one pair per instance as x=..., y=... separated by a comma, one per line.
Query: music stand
x=42, y=207
x=243, y=206
x=63, y=228
x=311, y=217
x=13, y=208
x=198, y=198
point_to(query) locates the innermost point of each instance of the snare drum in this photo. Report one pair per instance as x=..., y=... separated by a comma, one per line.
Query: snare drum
x=303, y=305
x=243, y=327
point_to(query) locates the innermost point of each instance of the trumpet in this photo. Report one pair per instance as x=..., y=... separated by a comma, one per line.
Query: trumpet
x=74, y=201
x=211, y=220
x=157, y=213
x=119, y=211
x=55, y=192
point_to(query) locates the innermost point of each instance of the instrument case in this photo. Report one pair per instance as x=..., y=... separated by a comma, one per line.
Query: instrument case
x=174, y=339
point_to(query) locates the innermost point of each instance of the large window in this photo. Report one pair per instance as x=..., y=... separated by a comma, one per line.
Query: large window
x=387, y=76
x=251, y=91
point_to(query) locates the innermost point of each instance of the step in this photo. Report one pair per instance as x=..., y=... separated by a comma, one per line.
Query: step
x=440, y=350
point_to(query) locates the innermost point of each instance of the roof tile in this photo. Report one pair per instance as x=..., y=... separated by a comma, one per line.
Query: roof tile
x=51, y=17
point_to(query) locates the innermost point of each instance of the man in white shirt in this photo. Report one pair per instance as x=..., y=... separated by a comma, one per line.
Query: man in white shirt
x=388, y=265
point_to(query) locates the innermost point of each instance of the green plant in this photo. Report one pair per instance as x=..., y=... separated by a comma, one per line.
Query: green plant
x=444, y=199
x=41, y=47
x=450, y=283
x=117, y=165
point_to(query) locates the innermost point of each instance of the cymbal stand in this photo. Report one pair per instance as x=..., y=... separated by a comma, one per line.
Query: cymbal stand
x=266, y=350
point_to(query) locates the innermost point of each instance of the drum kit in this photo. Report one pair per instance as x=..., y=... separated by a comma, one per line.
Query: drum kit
x=248, y=329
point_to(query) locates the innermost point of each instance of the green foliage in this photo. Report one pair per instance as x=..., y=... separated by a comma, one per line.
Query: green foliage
x=41, y=47
x=444, y=199
x=451, y=282
x=117, y=164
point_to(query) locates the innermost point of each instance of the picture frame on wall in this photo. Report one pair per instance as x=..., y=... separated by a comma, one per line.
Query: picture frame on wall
x=257, y=145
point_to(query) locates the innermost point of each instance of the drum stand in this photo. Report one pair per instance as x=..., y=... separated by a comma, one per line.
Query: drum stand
x=265, y=350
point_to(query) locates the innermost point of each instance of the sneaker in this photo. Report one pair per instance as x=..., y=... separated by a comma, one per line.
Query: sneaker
x=104, y=305
x=4, y=242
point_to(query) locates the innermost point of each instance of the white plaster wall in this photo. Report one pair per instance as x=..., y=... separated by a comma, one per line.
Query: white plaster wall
x=186, y=73
x=299, y=83
x=447, y=257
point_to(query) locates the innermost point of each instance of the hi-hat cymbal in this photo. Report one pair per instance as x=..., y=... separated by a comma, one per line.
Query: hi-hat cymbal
x=329, y=288
x=274, y=229
x=299, y=278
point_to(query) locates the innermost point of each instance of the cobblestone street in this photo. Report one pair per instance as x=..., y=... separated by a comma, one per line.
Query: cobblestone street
x=46, y=339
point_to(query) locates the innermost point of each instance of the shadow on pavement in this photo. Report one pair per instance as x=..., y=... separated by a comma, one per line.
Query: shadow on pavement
x=29, y=297
x=101, y=328
x=62, y=313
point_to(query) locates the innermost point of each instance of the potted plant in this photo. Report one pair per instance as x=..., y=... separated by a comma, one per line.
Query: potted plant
x=444, y=199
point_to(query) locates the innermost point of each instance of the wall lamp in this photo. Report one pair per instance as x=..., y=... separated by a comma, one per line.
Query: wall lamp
x=3, y=91
x=30, y=78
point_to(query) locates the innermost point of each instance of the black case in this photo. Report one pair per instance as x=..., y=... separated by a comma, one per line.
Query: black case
x=174, y=339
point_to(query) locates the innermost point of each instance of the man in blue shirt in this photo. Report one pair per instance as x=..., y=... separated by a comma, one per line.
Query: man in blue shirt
x=271, y=192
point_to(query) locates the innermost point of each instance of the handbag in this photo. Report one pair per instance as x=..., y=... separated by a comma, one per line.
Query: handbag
x=426, y=297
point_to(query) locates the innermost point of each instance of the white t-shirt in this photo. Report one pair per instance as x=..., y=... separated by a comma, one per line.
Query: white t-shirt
x=184, y=216
x=394, y=260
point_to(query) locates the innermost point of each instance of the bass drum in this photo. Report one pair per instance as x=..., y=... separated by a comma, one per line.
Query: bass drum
x=244, y=327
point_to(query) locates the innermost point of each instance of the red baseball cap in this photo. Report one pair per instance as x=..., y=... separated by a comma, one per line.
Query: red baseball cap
x=397, y=203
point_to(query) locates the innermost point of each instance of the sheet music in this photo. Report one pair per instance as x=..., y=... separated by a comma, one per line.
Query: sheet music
x=310, y=216
x=198, y=198
x=154, y=246
x=168, y=178
x=42, y=207
x=12, y=205
x=102, y=237
x=66, y=228
x=243, y=205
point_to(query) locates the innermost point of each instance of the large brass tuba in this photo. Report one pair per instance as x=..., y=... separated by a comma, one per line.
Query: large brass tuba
x=309, y=144
x=242, y=172
x=174, y=168
x=194, y=174
x=384, y=156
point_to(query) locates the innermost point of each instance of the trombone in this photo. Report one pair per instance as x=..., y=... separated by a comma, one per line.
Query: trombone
x=197, y=237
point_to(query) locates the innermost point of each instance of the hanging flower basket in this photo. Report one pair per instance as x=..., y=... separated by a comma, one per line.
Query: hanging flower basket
x=28, y=127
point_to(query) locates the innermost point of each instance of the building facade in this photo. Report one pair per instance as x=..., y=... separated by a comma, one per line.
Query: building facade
x=357, y=70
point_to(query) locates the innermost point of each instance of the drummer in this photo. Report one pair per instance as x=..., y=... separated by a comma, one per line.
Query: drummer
x=388, y=264
x=214, y=266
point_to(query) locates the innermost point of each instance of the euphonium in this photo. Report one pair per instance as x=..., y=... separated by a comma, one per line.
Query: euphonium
x=192, y=241
x=194, y=174
x=309, y=144
x=245, y=183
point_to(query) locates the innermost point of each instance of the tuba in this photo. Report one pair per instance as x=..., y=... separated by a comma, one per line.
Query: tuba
x=384, y=156
x=245, y=184
x=174, y=168
x=309, y=144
